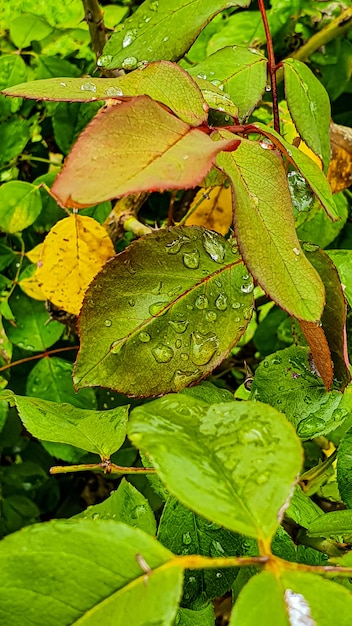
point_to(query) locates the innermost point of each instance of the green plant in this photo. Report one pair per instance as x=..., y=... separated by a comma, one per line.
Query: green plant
x=240, y=479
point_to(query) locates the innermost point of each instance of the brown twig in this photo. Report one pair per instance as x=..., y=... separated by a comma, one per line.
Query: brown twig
x=93, y=15
x=271, y=66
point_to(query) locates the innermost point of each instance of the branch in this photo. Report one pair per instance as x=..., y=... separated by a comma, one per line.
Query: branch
x=106, y=466
x=271, y=65
x=93, y=15
x=336, y=28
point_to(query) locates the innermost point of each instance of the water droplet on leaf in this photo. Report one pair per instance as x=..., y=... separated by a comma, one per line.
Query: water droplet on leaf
x=210, y=316
x=144, y=337
x=107, y=323
x=129, y=37
x=162, y=353
x=179, y=326
x=88, y=87
x=186, y=538
x=221, y=302
x=201, y=302
x=157, y=308
x=214, y=246
x=105, y=59
x=191, y=260
x=203, y=347
x=113, y=91
x=129, y=63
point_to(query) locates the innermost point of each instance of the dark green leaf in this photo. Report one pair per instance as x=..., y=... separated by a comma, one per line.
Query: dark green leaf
x=265, y=230
x=100, y=432
x=288, y=381
x=14, y=134
x=98, y=558
x=333, y=524
x=344, y=468
x=319, y=228
x=233, y=463
x=342, y=259
x=160, y=30
x=69, y=120
x=126, y=505
x=20, y=205
x=185, y=532
x=309, y=106
x=174, y=288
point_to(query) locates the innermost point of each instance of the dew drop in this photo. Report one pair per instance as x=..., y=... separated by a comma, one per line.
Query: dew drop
x=202, y=75
x=203, y=347
x=104, y=60
x=157, y=308
x=88, y=87
x=214, y=246
x=182, y=378
x=131, y=302
x=247, y=313
x=129, y=63
x=210, y=316
x=116, y=346
x=154, y=5
x=162, y=353
x=166, y=39
x=247, y=288
x=128, y=266
x=221, y=302
x=267, y=88
x=144, y=337
x=310, y=426
x=173, y=247
x=107, y=323
x=174, y=291
x=191, y=260
x=236, y=305
x=201, y=302
x=296, y=251
x=218, y=575
x=179, y=326
x=63, y=85
x=184, y=356
x=129, y=37
x=113, y=92
x=186, y=538
x=178, y=343
x=157, y=289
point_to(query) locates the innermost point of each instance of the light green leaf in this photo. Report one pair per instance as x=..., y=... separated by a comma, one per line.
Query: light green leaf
x=27, y=28
x=287, y=380
x=126, y=505
x=14, y=134
x=202, y=617
x=13, y=70
x=86, y=573
x=20, y=205
x=32, y=330
x=165, y=82
x=168, y=318
x=240, y=71
x=333, y=524
x=160, y=30
x=100, y=432
x=265, y=230
x=260, y=602
x=185, y=532
x=315, y=178
x=51, y=379
x=319, y=228
x=344, y=468
x=342, y=260
x=302, y=510
x=234, y=463
x=309, y=107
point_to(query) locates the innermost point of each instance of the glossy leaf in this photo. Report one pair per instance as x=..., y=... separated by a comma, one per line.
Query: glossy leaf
x=165, y=82
x=212, y=209
x=185, y=532
x=309, y=106
x=216, y=98
x=20, y=205
x=74, y=251
x=342, y=260
x=241, y=72
x=202, y=617
x=234, y=463
x=160, y=30
x=33, y=328
x=149, y=147
x=100, y=432
x=126, y=505
x=333, y=524
x=288, y=380
x=168, y=316
x=291, y=598
x=98, y=557
x=51, y=379
x=265, y=230
x=344, y=468
x=333, y=320
x=315, y=178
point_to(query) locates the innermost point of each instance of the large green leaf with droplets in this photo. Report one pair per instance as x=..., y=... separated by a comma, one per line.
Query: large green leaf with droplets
x=234, y=463
x=86, y=572
x=160, y=29
x=163, y=313
x=266, y=233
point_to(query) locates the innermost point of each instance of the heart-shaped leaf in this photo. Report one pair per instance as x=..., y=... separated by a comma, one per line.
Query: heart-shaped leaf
x=164, y=299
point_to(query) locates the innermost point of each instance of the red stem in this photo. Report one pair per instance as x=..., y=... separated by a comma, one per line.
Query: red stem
x=271, y=65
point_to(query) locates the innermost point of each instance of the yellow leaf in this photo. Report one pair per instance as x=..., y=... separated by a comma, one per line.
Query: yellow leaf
x=74, y=251
x=34, y=254
x=340, y=167
x=32, y=288
x=290, y=134
x=212, y=209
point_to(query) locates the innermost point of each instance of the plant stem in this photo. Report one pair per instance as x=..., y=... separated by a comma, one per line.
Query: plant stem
x=106, y=466
x=336, y=28
x=271, y=65
x=37, y=356
x=93, y=15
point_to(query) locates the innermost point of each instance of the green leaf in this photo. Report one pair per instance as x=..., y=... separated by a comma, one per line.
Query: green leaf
x=288, y=381
x=231, y=69
x=100, y=432
x=309, y=107
x=315, y=178
x=292, y=598
x=69, y=120
x=344, y=467
x=202, y=617
x=169, y=319
x=165, y=82
x=160, y=30
x=7, y=255
x=209, y=393
x=265, y=230
x=333, y=524
x=342, y=260
x=172, y=155
x=302, y=510
x=184, y=532
x=126, y=505
x=14, y=135
x=233, y=463
x=28, y=28
x=216, y=99
x=13, y=70
x=32, y=330
x=319, y=228
x=98, y=558
x=51, y=379
x=20, y=205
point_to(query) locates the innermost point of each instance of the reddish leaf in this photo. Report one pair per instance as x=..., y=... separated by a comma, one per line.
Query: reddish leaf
x=319, y=346
x=132, y=147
